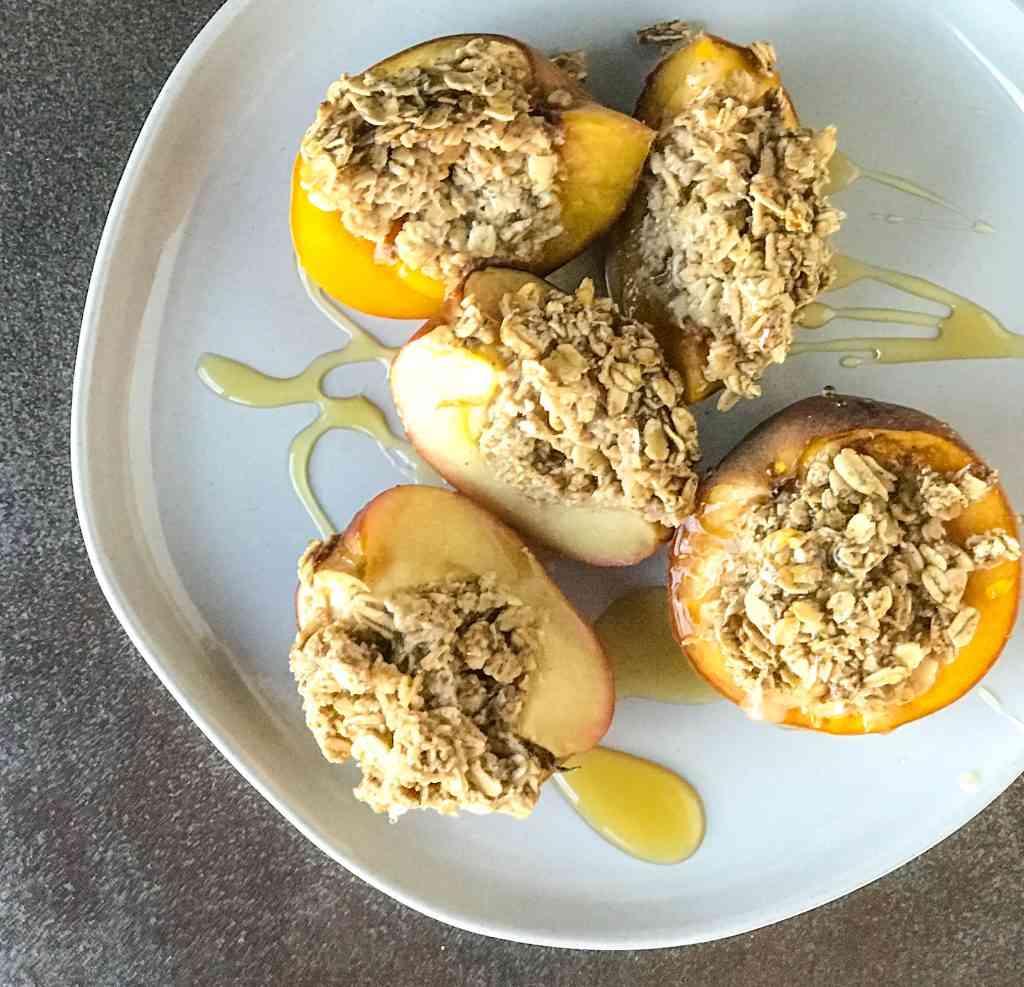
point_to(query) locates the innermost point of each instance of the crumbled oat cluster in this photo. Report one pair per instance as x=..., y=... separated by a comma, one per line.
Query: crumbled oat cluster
x=736, y=231
x=587, y=410
x=843, y=593
x=455, y=152
x=424, y=690
x=667, y=35
x=573, y=63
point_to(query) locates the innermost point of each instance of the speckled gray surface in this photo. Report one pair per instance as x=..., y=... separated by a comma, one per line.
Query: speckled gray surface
x=132, y=853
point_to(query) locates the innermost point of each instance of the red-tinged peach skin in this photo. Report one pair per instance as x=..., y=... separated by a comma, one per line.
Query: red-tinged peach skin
x=442, y=393
x=408, y=536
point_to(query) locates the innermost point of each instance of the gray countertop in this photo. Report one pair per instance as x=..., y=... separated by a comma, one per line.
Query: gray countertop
x=132, y=852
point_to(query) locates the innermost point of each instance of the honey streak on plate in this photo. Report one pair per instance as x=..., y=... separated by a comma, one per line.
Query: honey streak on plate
x=242, y=384
x=843, y=173
x=967, y=332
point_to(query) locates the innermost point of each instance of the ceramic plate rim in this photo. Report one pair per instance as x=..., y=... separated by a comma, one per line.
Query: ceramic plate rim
x=134, y=626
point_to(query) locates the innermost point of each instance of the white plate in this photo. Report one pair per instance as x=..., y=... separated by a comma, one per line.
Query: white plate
x=194, y=530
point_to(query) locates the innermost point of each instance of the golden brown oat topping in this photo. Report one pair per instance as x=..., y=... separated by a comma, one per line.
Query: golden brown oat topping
x=587, y=409
x=424, y=690
x=737, y=226
x=843, y=593
x=454, y=152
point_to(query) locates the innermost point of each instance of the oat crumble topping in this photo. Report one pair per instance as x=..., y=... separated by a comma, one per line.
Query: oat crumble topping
x=587, y=410
x=844, y=592
x=735, y=237
x=454, y=155
x=424, y=690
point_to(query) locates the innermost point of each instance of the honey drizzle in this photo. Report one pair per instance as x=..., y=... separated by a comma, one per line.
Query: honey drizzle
x=244, y=385
x=977, y=226
x=636, y=634
x=644, y=809
x=843, y=173
x=640, y=807
x=967, y=332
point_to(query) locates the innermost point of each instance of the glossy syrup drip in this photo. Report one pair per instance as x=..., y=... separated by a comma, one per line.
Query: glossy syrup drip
x=242, y=384
x=893, y=219
x=641, y=807
x=843, y=173
x=967, y=332
x=636, y=634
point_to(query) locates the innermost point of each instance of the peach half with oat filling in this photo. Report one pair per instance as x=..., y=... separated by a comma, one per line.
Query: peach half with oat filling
x=851, y=566
x=459, y=151
x=554, y=412
x=434, y=649
x=727, y=235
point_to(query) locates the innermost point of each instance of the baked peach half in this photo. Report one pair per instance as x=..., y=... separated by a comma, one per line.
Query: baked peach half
x=434, y=649
x=851, y=566
x=727, y=234
x=708, y=61
x=459, y=151
x=554, y=413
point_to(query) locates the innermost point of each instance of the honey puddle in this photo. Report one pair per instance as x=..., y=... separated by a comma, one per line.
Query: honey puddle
x=967, y=332
x=242, y=384
x=636, y=634
x=642, y=808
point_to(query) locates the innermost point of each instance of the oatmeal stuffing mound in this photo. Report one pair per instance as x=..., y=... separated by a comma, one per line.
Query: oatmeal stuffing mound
x=587, y=410
x=453, y=151
x=736, y=231
x=844, y=592
x=424, y=690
